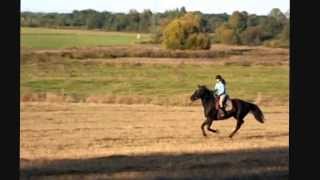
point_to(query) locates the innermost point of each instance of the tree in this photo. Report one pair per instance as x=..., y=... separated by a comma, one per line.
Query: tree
x=270, y=27
x=278, y=15
x=284, y=37
x=251, y=36
x=121, y=21
x=172, y=13
x=145, y=20
x=134, y=20
x=108, y=21
x=185, y=33
x=229, y=33
x=95, y=21
x=238, y=21
x=226, y=34
x=287, y=14
x=252, y=20
x=174, y=35
x=183, y=10
x=285, y=34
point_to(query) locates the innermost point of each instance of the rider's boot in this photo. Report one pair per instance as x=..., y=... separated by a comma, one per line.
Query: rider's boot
x=221, y=112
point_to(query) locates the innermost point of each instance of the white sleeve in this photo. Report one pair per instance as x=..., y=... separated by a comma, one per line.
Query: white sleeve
x=216, y=86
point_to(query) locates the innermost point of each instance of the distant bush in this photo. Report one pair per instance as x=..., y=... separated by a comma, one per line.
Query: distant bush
x=198, y=41
x=282, y=40
x=185, y=33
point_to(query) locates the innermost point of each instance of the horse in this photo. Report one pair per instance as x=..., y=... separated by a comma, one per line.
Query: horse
x=240, y=109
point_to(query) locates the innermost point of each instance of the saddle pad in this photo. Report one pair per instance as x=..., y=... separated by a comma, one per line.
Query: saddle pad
x=228, y=105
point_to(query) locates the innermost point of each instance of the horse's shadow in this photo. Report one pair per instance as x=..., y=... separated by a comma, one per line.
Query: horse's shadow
x=259, y=164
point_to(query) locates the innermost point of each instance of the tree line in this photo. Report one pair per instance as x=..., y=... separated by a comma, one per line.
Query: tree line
x=241, y=28
x=237, y=28
x=133, y=21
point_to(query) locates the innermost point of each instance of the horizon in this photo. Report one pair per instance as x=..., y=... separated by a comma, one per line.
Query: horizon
x=218, y=7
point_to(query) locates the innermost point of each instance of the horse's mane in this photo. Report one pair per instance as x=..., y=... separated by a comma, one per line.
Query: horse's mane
x=208, y=90
x=203, y=87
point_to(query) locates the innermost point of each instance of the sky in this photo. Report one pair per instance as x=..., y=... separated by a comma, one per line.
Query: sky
x=259, y=7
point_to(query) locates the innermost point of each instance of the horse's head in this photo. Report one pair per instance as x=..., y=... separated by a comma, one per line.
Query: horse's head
x=200, y=92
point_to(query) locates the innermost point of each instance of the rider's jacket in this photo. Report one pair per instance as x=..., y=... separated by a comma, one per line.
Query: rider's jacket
x=220, y=88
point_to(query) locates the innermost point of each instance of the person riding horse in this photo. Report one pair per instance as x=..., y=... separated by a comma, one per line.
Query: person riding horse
x=221, y=93
x=240, y=109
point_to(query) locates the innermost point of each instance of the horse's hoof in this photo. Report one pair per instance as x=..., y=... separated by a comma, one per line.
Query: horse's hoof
x=230, y=136
x=217, y=131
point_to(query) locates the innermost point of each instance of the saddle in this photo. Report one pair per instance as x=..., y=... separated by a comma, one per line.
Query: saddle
x=227, y=104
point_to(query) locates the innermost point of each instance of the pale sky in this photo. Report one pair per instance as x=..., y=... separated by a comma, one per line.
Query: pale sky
x=259, y=7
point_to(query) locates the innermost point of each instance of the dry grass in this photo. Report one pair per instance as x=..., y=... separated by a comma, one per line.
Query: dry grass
x=151, y=51
x=99, y=141
x=152, y=54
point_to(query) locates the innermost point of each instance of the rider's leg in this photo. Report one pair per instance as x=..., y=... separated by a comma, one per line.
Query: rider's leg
x=217, y=103
x=221, y=100
x=222, y=97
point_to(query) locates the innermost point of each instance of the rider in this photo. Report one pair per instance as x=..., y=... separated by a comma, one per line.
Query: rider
x=221, y=93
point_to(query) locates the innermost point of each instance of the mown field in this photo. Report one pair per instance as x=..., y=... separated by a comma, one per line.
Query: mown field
x=101, y=141
x=44, y=38
x=99, y=113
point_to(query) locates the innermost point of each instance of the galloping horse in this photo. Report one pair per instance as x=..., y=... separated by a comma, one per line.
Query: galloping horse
x=239, y=110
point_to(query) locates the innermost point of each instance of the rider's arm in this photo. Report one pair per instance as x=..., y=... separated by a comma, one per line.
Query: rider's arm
x=215, y=89
x=219, y=88
x=223, y=88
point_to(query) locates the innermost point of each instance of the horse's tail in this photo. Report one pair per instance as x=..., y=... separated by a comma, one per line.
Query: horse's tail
x=257, y=113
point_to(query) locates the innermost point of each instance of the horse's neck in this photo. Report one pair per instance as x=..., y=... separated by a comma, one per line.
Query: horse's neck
x=207, y=103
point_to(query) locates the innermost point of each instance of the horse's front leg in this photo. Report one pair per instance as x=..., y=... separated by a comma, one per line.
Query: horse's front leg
x=209, y=127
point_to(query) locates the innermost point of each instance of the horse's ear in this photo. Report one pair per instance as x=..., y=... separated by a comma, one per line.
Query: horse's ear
x=199, y=86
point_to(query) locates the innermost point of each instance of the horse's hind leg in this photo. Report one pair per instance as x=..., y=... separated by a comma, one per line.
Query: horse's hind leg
x=239, y=123
x=202, y=128
x=209, y=127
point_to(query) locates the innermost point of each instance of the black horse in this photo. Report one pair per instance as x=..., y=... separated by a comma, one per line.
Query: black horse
x=239, y=110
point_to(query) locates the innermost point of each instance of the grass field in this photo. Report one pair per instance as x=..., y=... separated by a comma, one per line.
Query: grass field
x=163, y=82
x=98, y=141
x=43, y=38
x=258, y=74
